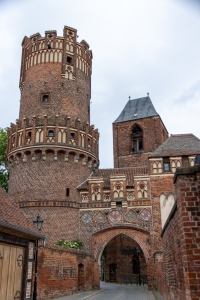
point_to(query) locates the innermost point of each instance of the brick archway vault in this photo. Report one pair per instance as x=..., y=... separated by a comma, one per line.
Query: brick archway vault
x=102, y=238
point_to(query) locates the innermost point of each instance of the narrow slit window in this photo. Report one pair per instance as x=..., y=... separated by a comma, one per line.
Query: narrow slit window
x=69, y=60
x=45, y=98
x=67, y=192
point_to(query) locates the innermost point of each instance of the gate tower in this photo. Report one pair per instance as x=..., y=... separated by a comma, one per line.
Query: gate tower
x=52, y=148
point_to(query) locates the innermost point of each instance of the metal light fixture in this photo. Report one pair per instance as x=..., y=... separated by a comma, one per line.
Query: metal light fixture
x=38, y=223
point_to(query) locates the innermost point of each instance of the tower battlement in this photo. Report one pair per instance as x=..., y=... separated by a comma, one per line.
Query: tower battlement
x=47, y=133
x=51, y=48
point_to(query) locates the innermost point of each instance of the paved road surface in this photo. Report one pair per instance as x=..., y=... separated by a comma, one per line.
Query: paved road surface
x=113, y=291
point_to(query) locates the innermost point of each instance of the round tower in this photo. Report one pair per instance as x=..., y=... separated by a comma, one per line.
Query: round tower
x=52, y=148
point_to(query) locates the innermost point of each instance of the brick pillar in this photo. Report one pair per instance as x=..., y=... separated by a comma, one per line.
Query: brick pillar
x=96, y=279
x=187, y=181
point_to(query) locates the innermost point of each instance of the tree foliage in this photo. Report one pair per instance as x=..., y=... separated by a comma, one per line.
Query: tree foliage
x=3, y=171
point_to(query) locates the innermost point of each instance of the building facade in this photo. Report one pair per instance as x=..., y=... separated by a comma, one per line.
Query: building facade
x=52, y=156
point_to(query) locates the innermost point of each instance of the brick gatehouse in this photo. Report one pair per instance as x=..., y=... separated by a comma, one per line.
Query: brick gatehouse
x=137, y=221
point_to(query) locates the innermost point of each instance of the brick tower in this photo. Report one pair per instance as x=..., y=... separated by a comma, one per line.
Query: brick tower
x=52, y=148
x=137, y=132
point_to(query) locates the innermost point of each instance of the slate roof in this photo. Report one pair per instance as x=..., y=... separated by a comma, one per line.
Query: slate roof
x=178, y=145
x=137, y=109
x=106, y=173
x=13, y=218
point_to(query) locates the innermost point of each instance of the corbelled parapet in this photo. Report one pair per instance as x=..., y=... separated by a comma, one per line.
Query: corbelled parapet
x=53, y=132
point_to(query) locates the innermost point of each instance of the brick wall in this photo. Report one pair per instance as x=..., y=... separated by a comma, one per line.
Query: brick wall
x=66, y=97
x=181, y=239
x=58, y=272
x=47, y=180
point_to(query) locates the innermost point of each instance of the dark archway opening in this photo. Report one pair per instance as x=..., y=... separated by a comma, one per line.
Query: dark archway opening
x=123, y=261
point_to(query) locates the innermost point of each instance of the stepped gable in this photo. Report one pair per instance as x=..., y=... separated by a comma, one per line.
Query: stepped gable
x=137, y=109
x=12, y=217
x=178, y=144
x=107, y=173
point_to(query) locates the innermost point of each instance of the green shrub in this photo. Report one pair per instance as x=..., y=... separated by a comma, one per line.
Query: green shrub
x=75, y=244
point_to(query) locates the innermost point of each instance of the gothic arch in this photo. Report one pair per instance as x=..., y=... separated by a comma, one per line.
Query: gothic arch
x=136, y=138
x=101, y=239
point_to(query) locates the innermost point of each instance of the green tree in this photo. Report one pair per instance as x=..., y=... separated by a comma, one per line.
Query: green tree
x=4, y=176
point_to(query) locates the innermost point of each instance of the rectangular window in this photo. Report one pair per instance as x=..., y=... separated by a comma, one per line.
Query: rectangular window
x=166, y=164
x=118, y=204
x=67, y=192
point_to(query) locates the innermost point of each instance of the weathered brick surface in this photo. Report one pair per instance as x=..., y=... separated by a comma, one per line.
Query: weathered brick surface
x=181, y=255
x=59, y=222
x=58, y=272
x=67, y=97
x=47, y=180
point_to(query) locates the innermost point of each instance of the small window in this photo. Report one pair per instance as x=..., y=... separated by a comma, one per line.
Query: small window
x=72, y=135
x=67, y=192
x=45, y=98
x=166, y=164
x=49, y=46
x=119, y=204
x=51, y=133
x=29, y=135
x=69, y=60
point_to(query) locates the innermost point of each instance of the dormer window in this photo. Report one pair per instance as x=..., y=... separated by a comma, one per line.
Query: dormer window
x=51, y=133
x=137, y=138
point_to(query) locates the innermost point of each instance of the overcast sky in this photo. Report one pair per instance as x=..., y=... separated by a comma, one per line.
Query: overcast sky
x=138, y=46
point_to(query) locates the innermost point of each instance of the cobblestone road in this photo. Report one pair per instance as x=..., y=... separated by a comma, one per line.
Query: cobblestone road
x=113, y=291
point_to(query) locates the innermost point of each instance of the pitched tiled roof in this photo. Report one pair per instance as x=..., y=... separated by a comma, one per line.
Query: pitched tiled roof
x=178, y=145
x=11, y=216
x=137, y=109
x=106, y=173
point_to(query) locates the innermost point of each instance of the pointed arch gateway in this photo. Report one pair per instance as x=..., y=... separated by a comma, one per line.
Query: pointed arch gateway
x=113, y=269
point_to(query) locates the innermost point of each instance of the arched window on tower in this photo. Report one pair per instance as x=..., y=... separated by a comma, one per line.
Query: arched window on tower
x=136, y=139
